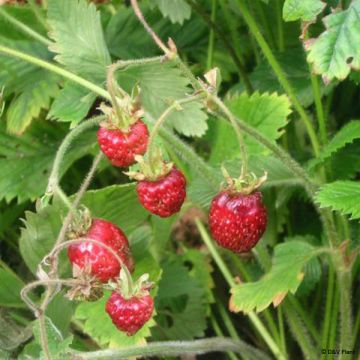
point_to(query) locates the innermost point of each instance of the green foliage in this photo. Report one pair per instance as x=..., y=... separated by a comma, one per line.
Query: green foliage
x=285, y=275
x=160, y=85
x=181, y=301
x=176, y=10
x=27, y=160
x=79, y=40
x=306, y=10
x=342, y=196
x=337, y=49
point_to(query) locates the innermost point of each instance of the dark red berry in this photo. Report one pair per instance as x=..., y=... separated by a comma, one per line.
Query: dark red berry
x=122, y=147
x=104, y=266
x=163, y=197
x=237, y=221
x=129, y=315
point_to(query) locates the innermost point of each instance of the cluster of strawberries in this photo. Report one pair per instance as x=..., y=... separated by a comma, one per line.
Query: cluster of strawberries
x=237, y=221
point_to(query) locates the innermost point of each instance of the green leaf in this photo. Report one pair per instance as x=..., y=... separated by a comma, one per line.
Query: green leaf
x=181, y=303
x=342, y=196
x=28, y=104
x=285, y=275
x=111, y=203
x=79, y=40
x=58, y=346
x=160, y=85
x=266, y=112
x=346, y=135
x=10, y=288
x=346, y=162
x=337, y=49
x=306, y=10
x=26, y=161
x=72, y=104
x=176, y=10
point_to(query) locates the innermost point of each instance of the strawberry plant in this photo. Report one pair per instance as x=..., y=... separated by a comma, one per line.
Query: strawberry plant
x=179, y=178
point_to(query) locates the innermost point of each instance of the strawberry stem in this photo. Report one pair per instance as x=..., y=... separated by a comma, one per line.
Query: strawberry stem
x=176, y=105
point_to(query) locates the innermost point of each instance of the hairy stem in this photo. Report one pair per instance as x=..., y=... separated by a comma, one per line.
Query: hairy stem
x=175, y=349
x=73, y=134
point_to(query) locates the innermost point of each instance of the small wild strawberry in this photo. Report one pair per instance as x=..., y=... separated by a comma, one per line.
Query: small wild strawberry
x=103, y=265
x=121, y=146
x=130, y=306
x=237, y=216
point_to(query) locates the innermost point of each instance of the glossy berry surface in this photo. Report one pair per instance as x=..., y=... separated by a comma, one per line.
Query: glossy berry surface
x=122, y=147
x=104, y=265
x=165, y=196
x=237, y=221
x=129, y=315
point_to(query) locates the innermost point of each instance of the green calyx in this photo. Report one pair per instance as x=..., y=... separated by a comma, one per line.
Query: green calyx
x=151, y=169
x=245, y=184
x=129, y=288
x=80, y=224
x=125, y=112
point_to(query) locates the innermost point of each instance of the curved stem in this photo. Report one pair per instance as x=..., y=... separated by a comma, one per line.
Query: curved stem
x=173, y=349
x=235, y=125
x=176, y=105
x=253, y=26
x=24, y=28
x=226, y=42
x=73, y=134
x=56, y=69
x=231, y=282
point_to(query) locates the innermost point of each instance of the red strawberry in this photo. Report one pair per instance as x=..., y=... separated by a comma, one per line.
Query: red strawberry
x=121, y=147
x=104, y=265
x=237, y=221
x=129, y=315
x=165, y=196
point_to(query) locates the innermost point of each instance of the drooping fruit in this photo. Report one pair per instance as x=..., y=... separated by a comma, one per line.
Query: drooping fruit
x=129, y=315
x=164, y=196
x=121, y=146
x=237, y=221
x=104, y=266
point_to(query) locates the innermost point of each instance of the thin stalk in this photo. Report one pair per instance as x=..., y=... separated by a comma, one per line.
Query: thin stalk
x=65, y=200
x=24, y=28
x=56, y=69
x=160, y=121
x=210, y=53
x=228, y=277
x=226, y=42
x=280, y=27
x=250, y=21
x=70, y=137
x=334, y=320
x=320, y=114
x=328, y=307
x=282, y=330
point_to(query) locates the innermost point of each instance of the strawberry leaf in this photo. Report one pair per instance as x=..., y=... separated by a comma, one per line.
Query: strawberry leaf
x=177, y=10
x=160, y=85
x=342, y=196
x=285, y=275
x=79, y=40
x=305, y=10
x=337, y=49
